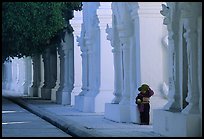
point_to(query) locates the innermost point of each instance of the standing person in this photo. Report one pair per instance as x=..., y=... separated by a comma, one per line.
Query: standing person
x=142, y=101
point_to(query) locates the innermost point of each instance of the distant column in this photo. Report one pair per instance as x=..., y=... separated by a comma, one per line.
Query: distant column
x=34, y=89
x=50, y=72
x=15, y=70
x=67, y=73
x=21, y=76
x=28, y=75
x=54, y=90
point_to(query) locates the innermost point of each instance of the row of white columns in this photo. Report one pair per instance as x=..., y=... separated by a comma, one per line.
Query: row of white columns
x=97, y=72
x=16, y=77
x=184, y=103
x=50, y=76
x=135, y=57
x=132, y=37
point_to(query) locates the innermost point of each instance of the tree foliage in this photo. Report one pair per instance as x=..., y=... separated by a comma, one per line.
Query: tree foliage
x=28, y=28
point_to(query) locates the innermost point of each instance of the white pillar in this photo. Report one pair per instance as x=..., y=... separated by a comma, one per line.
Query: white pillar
x=79, y=101
x=91, y=42
x=7, y=77
x=76, y=24
x=15, y=70
x=121, y=112
x=63, y=95
x=36, y=68
x=105, y=63
x=113, y=37
x=191, y=25
x=50, y=72
x=173, y=100
x=54, y=90
x=182, y=19
x=28, y=74
x=3, y=75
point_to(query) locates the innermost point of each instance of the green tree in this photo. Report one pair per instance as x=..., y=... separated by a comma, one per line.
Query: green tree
x=28, y=28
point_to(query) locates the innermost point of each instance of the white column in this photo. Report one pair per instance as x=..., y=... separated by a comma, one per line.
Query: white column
x=135, y=61
x=28, y=74
x=84, y=63
x=70, y=65
x=54, y=90
x=173, y=103
x=105, y=63
x=76, y=24
x=67, y=75
x=7, y=77
x=50, y=72
x=190, y=24
x=121, y=112
x=79, y=101
x=15, y=70
x=182, y=18
x=113, y=37
x=34, y=89
x=21, y=79
x=87, y=102
x=3, y=75
x=41, y=75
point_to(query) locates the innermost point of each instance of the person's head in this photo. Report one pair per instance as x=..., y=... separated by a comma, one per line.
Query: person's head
x=143, y=88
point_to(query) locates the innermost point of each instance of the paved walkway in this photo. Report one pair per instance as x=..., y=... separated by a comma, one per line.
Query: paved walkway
x=82, y=124
x=18, y=122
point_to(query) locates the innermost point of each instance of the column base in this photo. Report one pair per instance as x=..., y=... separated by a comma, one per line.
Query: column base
x=33, y=92
x=173, y=124
x=54, y=94
x=134, y=114
x=117, y=112
x=93, y=103
x=63, y=98
x=74, y=93
x=79, y=101
x=46, y=93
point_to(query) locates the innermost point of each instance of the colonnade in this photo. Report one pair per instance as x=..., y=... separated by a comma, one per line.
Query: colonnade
x=120, y=46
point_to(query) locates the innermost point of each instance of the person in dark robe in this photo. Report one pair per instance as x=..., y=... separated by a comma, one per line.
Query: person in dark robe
x=142, y=101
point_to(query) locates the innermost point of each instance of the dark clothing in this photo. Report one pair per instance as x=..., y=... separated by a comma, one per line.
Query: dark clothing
x=144, y=116
x=144, y=106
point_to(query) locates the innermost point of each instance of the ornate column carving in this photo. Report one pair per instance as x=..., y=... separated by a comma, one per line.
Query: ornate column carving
x=190, y=13
x=76, y=23
x=173, y=96
x=113, y=37
x=125, y=49
x=124, y=30
x=81, y=43
x=65, y=51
